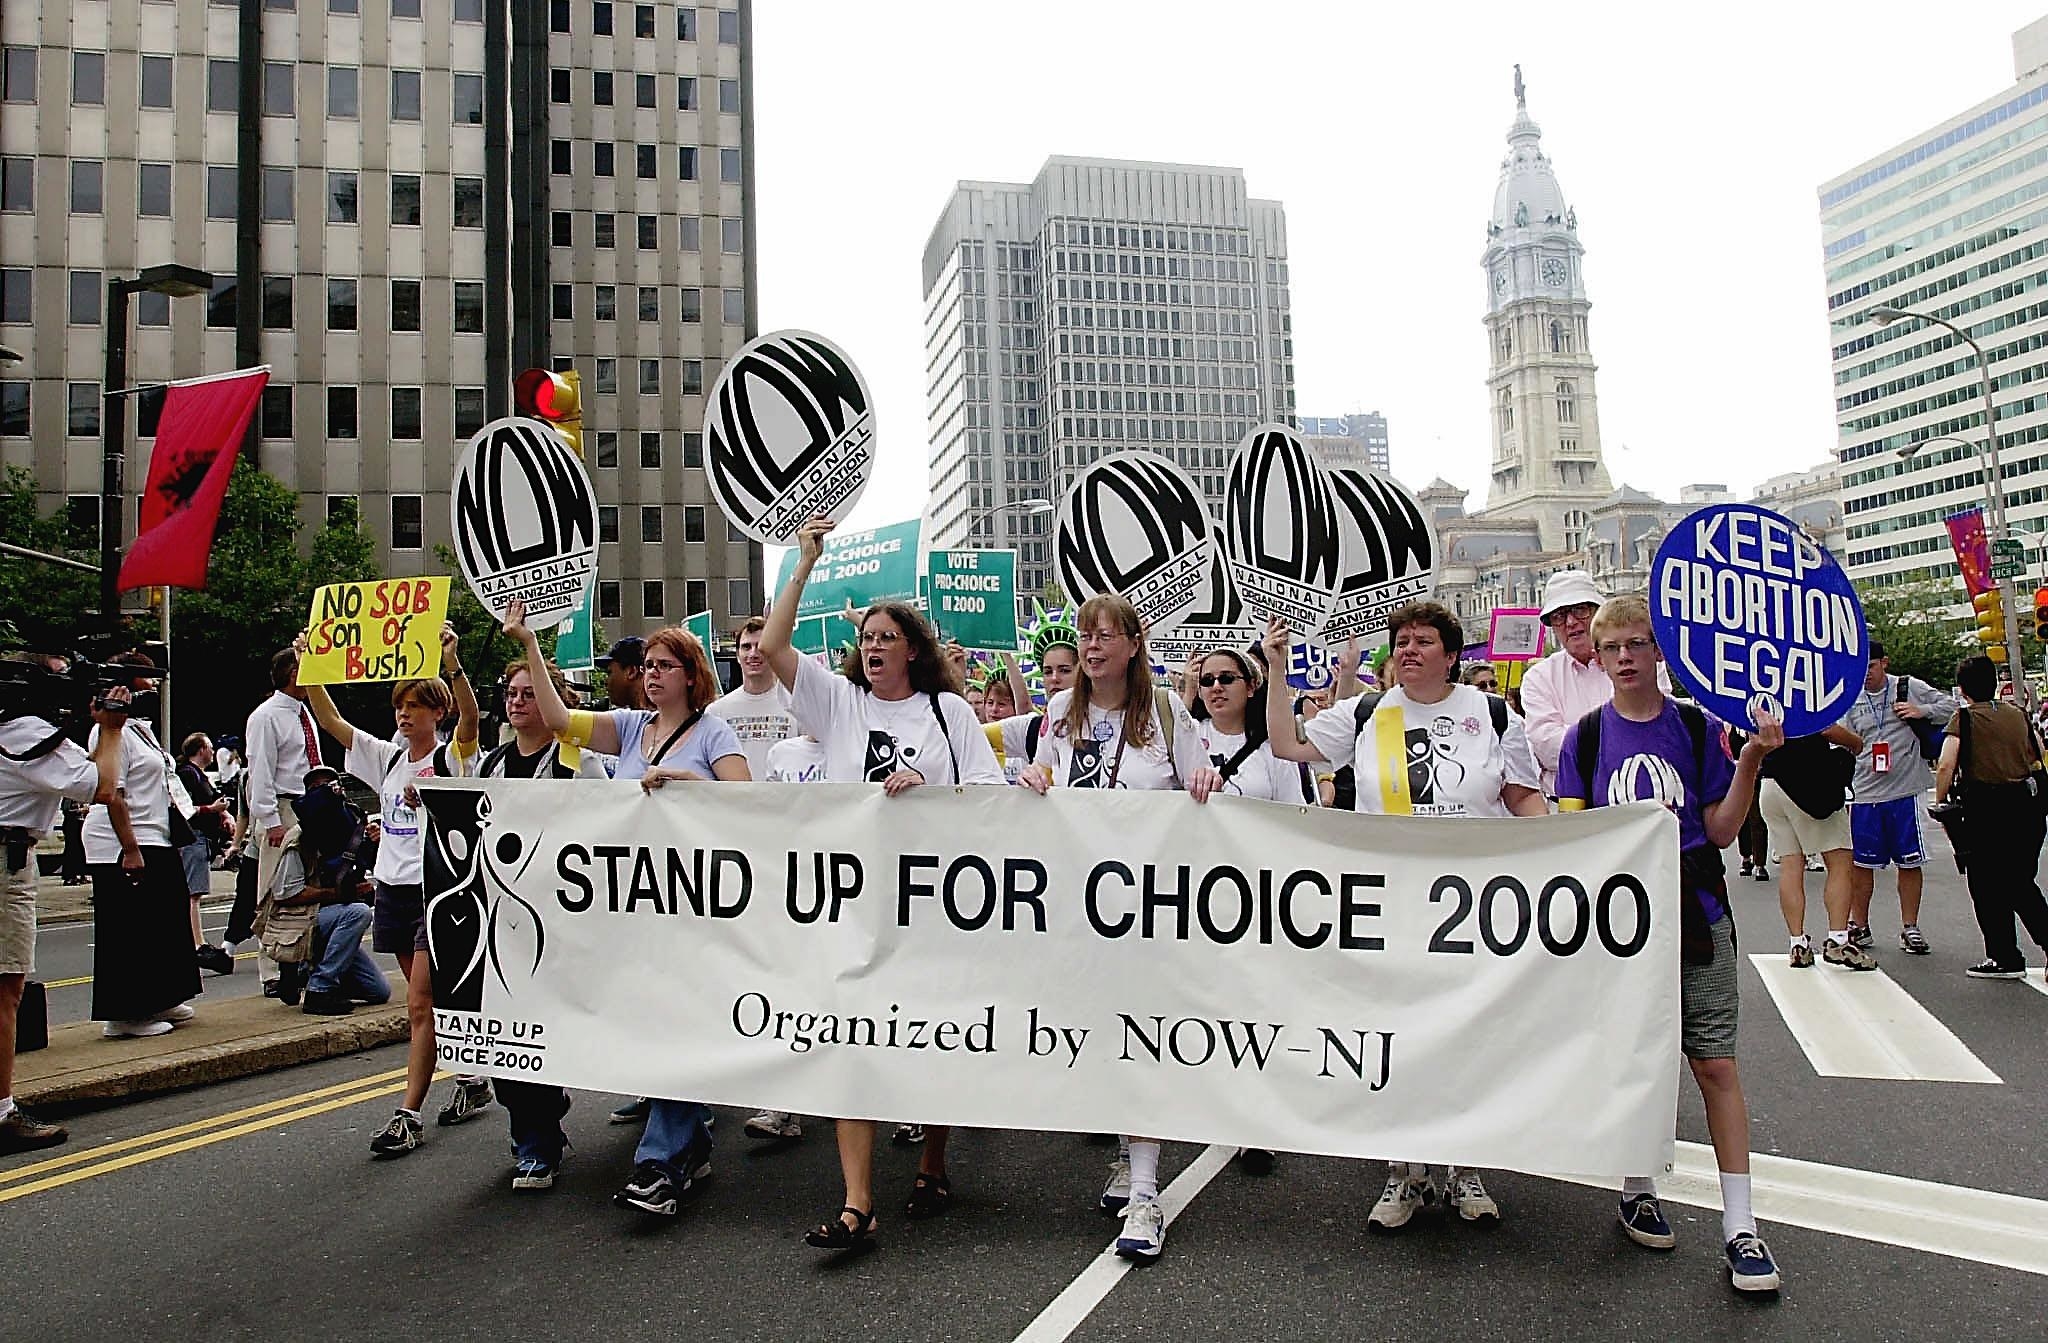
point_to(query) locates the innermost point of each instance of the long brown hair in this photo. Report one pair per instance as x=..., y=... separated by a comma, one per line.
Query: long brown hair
x=929, y=669
x=1138, y=695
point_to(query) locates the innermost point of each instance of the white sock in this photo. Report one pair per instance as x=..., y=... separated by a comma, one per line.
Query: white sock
x=1736, y=1218
x=6, y=1106
x=409, y=1114
x=1144, y=1171
x=1638, y=1184
x=1840, y=937
x=1802, y=941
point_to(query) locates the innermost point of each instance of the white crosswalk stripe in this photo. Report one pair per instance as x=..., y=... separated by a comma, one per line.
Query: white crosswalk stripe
x=1863, y=1024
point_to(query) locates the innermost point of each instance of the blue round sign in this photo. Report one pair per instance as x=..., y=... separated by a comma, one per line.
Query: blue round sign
x=1753, y=615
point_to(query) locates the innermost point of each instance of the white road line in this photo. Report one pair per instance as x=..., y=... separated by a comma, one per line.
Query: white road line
x=1975, y=1224
x=2038, y=983
x=1862, y=1024
x=1073, y=1305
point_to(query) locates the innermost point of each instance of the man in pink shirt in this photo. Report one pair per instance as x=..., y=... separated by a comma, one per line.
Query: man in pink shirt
x=1566, y=686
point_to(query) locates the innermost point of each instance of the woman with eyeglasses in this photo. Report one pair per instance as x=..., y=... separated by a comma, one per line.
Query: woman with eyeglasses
x=1116, y=728
x=894, y=716
x=1429, y=746
x=673, y=740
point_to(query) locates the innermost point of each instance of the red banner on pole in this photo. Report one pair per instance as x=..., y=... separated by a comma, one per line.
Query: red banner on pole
x=202, y=424
x=1973, y=549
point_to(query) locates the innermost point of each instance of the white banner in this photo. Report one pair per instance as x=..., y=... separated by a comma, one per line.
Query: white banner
x=1485, y=993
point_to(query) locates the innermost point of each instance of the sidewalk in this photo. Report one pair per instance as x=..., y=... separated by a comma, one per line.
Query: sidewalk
x=234, y=1038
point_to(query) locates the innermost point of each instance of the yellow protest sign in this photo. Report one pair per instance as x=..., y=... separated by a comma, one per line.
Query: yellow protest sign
x=386, y=630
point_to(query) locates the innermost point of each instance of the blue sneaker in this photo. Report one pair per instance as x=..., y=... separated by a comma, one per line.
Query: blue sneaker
x=534, y=1173
x=1644, y=1221
x=1750, y=1266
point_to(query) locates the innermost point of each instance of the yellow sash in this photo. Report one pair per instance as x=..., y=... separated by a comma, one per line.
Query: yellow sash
x=1390, y=738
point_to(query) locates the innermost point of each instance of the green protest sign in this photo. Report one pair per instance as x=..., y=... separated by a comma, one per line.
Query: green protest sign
x=574, y=647
x=973, y=595
x=859, y=567
x=700, y=625
x=820, y=634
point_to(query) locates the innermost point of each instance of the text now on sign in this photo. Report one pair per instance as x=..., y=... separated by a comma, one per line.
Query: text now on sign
x=1754, y=615
x=386, y=630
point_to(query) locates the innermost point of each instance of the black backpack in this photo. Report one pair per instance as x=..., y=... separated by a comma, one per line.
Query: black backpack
x=1587, y=754
x=494, y=763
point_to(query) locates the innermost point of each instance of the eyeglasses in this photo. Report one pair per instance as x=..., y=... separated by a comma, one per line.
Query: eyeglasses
x=879, y=638
x=1613, y=647
x=518, y=696
x=661, y=666
x=1102, y=636
x=1207, y=679
x=1584, y=610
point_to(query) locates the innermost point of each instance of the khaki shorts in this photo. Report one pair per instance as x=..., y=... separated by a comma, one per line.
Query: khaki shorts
x=1794, y=833
x=18, y=921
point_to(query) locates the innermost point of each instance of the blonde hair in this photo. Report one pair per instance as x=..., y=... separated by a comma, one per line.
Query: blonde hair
x=1619, y=613
x=1137, y=679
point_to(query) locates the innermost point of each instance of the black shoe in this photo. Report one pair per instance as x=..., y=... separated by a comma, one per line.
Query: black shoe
x=327, y=1003
x=216, y=959
x=1990, y=969
x=291, y=982
x=271, y=988
x=1255, y=1160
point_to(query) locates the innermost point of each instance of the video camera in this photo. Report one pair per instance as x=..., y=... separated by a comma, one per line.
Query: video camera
x=30, y=689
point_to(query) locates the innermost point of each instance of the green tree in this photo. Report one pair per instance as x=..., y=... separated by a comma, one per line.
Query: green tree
x=485, y=649
x=47, y=606
x=1909, y=620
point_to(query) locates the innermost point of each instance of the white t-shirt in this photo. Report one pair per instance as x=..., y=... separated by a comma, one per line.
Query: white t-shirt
x=795, y=760
x=387, y=767
x=31, y=791
x=867, y=739
x=759, y=721
x=1261, y=775
x=145, y=781
x=1088, y=763
x=1445, y=761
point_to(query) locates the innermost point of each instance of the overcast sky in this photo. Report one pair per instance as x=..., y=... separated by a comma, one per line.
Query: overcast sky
x=1691, y=140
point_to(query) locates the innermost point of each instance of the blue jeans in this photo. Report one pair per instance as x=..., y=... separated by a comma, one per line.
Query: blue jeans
x=535, y=1110
x=672, y=1128
x=339, y=962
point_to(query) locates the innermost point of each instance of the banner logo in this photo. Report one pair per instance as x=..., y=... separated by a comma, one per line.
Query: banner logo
x=1135, y=525
x=1218, y=619
x=477, y=920
x=1280, y=523
x=525, y=521
x=1389, y=548
x=789, y=435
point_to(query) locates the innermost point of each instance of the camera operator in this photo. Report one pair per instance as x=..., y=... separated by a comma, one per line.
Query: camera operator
x=40, y=769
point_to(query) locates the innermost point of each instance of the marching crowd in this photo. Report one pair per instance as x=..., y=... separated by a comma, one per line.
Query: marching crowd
x=1594, y=725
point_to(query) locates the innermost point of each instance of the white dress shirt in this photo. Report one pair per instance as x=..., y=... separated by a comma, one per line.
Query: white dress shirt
x=275, y=748
x=1556, y=693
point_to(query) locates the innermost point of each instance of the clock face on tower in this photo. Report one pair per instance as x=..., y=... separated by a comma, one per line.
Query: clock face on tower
x=1500, y=281
x=1554, y=273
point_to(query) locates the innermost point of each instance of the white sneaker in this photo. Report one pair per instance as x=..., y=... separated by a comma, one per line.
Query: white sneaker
x=1144, y=1234
x=775, y=1126
x=1470, y=1198
x=1404, y=1196
x=134, y=1030
x=1117, y=1193
x=178, y=1015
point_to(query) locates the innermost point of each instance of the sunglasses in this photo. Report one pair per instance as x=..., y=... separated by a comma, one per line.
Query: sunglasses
x=1207, y=679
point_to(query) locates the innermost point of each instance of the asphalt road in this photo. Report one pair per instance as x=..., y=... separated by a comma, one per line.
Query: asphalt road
x=192, y=1217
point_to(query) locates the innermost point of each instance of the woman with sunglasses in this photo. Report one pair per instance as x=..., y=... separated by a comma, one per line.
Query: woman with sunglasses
x=1230, y=710
x=894, y=717
x=1116, y=728
x=1430, y=746
x=673, y=740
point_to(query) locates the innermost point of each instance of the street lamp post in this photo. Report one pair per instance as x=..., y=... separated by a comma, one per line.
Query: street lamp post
x=1030, y=508
x=1885, y=314
x=174, y=282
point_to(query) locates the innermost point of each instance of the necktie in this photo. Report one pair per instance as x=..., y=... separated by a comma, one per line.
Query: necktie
x=312, y=738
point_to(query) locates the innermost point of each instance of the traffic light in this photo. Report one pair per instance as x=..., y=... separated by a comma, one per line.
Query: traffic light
x=556, y=398
x=1991, y=623
x=2041, y=614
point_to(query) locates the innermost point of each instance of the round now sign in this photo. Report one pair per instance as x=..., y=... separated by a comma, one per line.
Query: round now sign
x=1753, y=615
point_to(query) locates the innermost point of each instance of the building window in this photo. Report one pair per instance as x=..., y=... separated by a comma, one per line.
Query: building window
x=607, y=598
x=1574, y=528
x=643, y=162
x=277, y=195
x=469, y=100
x=650, y=303
x=1567, y=403
x=739, y=596
x=341, y=412
x=686, y=163
x=651, y=598
x=558, y=85
x=277, y=89
x=18, y=184
x=650, y=377
x=152, y=309
x=650, y=451
x=405, y=198
x=728, y=165
x=563, y=302
x=341, y=6
x=156, y=82
x=693, y=305
x=469, y=412
x=344, y=100
x=405, y=95
x=686, y=92
x=405, y=9
x=602, y=155
x=729, y=27
x=277, y=303
x=341, y=195
x=18, y=75
x=604, y=226
x=601, y=87
x=405, y=305
x=558, y=16
x=561, y=232
x=730, y=237
x=85, y=298
x=277, y=411
x=405, y=522
x=223, y=86
x=82, y=409
x=88, y=79
x=87, y=177
x=340, y=306
x=650, y=522
x=643, y=90
x=693, y=522
x=643, y=23
x=561, y=160
x=1506, y=407
x=601, y=18
x=220, y=302
x=606, y=302
x=469, y=11
x=14, y=414
x=693, y=450
x=686, y=23
x=649, y=228
x=693, y=377
x=607, y=448
x=153, y=190
x=405, y=413
x=729, y=96
x=735, y=301
x=607, y=379
x=688, y=229
x=696, y=595
x=607, y=522
x=469, y=307
x=344, y=511
x=469, y=202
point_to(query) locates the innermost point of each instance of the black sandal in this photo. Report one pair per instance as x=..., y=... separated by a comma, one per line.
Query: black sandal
x=930, y=1195
x=835, y=1234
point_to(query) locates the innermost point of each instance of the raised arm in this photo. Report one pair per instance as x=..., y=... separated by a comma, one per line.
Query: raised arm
x=466, y=715
x=1020, y=689
x=1723, y=820
x=322, y=704
x=1346, y=684
x=560, y=718
x=778, y=644
x=1283, y=732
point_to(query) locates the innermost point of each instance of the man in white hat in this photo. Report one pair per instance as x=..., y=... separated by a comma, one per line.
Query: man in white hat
x=1566, y=686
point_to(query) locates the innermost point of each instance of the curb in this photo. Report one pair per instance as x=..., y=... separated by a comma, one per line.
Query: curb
x=300, y=1041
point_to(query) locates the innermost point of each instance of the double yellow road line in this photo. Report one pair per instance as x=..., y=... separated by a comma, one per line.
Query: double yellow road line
x=85, y=1163
x=75, y=981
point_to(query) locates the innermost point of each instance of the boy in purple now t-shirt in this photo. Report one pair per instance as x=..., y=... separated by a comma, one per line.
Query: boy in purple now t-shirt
x=1652, y=748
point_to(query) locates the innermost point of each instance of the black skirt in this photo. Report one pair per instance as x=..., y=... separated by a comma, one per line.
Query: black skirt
x=142, y=962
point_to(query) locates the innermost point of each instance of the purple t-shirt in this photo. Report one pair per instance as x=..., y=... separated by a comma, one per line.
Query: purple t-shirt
x=1654, y=762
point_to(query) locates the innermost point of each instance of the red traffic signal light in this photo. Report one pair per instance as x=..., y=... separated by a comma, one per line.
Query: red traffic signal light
x=555, y=398
x=2041, y=614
